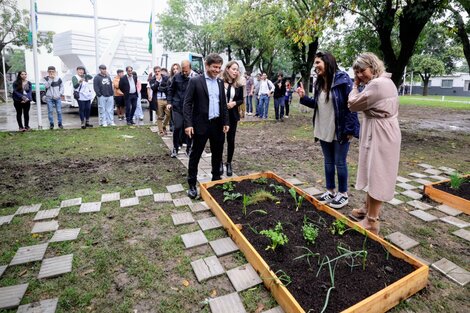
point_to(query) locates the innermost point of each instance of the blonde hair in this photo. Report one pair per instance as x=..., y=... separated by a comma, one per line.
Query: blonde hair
x=236, y=83
x=369, y=60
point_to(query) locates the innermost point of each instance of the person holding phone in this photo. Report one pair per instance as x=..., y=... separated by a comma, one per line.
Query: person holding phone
x=334, y=124
x=22, y=97
x=380, y=139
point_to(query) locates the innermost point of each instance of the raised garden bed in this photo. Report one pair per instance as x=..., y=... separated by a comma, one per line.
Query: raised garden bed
x=457, y=198
x=371, y=276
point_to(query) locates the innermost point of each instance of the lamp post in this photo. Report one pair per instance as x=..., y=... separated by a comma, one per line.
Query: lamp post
x=34, y=32
x=97, y=47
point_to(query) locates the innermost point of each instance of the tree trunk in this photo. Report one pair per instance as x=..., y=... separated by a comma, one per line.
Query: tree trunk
x=426, y=83
x=462, y=35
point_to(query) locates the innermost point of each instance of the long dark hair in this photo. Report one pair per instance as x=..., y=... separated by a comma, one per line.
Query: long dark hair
x=330, y=69
x=19, y=81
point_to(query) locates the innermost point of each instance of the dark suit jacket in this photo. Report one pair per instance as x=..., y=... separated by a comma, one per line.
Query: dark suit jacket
x=196, y=105
x=233, y=113
x=124, y=85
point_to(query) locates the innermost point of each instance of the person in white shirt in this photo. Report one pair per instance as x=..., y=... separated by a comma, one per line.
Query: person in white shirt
x=264, y=91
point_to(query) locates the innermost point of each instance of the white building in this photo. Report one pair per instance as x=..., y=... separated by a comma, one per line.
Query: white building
x=448, y=85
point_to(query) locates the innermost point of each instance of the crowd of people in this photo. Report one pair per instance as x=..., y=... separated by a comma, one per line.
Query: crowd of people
x=208, y=107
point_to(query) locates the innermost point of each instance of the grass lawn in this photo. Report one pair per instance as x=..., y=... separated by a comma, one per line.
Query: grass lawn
x=451, y=102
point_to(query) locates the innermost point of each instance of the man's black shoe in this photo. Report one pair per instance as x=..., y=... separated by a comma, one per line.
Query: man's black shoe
x=229, y=169
x=216, y=178
x=192, y=192
x=221, y=168
x=174, y=153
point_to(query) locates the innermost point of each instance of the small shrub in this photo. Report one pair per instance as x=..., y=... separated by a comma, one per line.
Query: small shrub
x=310, y=231
x=456, y=181
x=278, y=238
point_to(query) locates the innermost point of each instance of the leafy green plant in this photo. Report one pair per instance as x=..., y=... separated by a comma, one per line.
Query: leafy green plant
x=261, y=196
x=231, y=196
x=284, y=278
x=309, y=254
x=277, y=188
x=297, y=198
x=262, y=212
x=310, y=231
x=260, y=181
x=276, y=235
x=456, y=180
x=245, y=201
x=227, y=186
x=339, y=227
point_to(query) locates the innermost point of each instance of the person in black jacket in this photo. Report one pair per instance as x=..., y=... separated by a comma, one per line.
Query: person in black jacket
x=175, y=98
x=22, y=97
x=279, y=94
x=128, y=85
x=234, y=95
x=205, y=118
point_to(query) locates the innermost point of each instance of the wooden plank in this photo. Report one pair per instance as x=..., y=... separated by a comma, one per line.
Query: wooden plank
x=447, y=198
x=378, y=302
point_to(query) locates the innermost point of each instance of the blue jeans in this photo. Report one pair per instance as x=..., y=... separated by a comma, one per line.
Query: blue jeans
x=249, y=104
x=335, y=155
x=106, y=105
x=263, y=106
x=50, y=110
x=279, y=107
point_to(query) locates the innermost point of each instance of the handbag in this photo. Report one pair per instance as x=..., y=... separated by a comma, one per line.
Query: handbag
x=76, y=93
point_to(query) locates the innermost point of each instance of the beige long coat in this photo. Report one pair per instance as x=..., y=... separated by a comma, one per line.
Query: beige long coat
x=380, y=138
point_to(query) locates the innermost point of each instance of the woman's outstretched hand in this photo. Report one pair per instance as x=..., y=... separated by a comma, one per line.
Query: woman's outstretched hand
x=300, y=90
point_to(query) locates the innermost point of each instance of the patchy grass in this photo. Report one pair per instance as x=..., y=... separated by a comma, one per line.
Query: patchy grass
x=449, y=102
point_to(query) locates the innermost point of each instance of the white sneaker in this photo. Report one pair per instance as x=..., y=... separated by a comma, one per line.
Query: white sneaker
x=250, y=114
x=112, y=124
x=286, y=116
x=105, y=125
x=326, y=197
x=339, y=201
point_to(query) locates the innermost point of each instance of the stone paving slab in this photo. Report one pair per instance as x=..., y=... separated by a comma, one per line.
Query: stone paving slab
x=424, y=165
x=426, y=262
x=295, y=181
x=56, y=266
x=108, y=197
x=277, y=309
x=423, y=181
x=313, y=191
x=2, y=269
x=209, y=223
x=175, y=188
x=10, y=297
x=6, y=219
x=42, y=227
x=438, y=177
x=244, y=277
x=402, y=179
x=162, y=197
x=417, y=175
x=182, y=201
x=432, y=171
x=65, y=235
x=44, y=306
x=199, y=207
x=90, y=207
x=29, y=254
x=448, y=210
x=420, y=205
x=455, y=221
x=446, y=169
x=462, y=233
x=231, y=303
x=395, y=202
x=46, y=214
x=223, y=246
x=425, y=216
x=406, y=186
x=207, y=268
x=204, y=178
x=25, y=209
x=452, y=271
x=182, y=218
x=412, y=194
x=194, y=239
x=144, y=192
x=402, y=241
x=124, y=203
x=71, y=202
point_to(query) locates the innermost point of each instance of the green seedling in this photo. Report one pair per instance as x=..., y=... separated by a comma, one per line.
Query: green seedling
x=277, y=188
x=261, y=196
x=310, y=231
x=262, y=212
x=245, y=201
x=260, y=181
x=231, y=196
x=227, y=186
x=307, y=255
x=278, y=238
x=297, y=198
x=456, y=181
x=284, y=278
x=339, y=227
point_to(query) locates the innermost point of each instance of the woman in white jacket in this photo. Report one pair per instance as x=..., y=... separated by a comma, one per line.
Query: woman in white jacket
x=80, y=84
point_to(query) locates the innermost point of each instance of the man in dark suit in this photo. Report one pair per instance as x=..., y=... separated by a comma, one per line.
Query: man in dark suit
x=128, y=85
x=205, y=117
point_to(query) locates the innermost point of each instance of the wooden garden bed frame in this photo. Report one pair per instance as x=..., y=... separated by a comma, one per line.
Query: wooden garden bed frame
x=381, y=301
x=447, y=198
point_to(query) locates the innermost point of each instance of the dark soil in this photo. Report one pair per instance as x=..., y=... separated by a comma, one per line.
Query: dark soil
x=462, y=192
x=351, y=284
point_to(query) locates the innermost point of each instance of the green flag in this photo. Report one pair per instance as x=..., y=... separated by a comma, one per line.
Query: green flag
x=150, y=33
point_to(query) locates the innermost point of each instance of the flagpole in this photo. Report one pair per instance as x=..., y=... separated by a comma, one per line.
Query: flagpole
x=154, y=36
x=4, y=76
x=35, y=58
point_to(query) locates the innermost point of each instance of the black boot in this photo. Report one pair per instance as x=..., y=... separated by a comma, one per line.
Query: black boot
x=229, y=169
x=174, y=153
x=192, y=192
x=221, y=168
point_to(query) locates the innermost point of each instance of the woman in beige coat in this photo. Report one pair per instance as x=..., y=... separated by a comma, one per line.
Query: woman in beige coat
x=380, y=138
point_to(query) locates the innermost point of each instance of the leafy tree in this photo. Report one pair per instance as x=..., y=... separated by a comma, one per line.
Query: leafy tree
x=15, y=61
x=427, y=66
x=462, y=29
